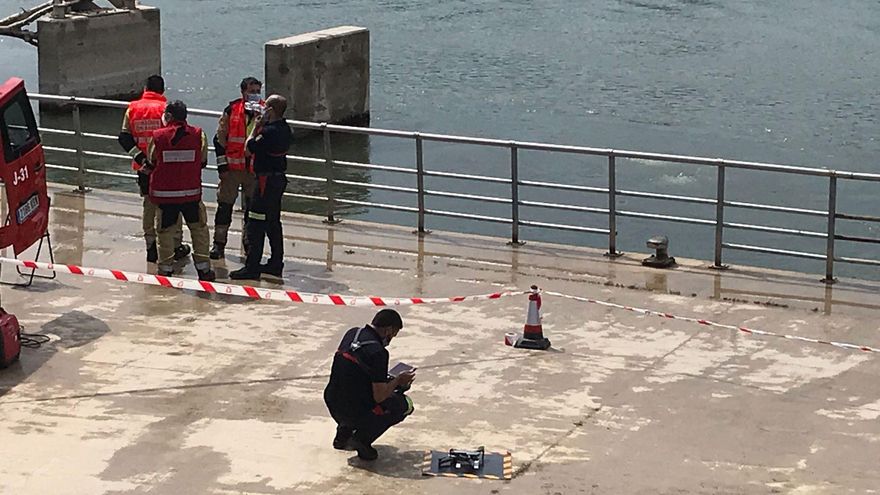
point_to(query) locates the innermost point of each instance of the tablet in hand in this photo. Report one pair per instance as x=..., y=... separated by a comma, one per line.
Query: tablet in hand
x=400, y=368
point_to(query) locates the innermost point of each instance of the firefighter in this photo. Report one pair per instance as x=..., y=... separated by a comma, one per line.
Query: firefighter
x=361, y=397
x=177, y=155
x=142, y=117
x=268, y=142
x=233, y=167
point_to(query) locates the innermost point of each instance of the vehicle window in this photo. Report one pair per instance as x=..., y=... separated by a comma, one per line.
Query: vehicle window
x=18, y=127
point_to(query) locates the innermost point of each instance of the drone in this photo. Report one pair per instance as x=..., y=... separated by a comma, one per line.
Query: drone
x=467, y=460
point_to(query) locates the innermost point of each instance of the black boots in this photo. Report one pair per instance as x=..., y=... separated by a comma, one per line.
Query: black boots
x=217, y=252
x=343, y=435
x=245, y=273
x=365, y=452
x=152, y=253
x=181, y=252
x=274, y=269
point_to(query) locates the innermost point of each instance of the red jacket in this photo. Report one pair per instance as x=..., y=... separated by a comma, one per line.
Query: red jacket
x=236, y=136
x=177, y=177
x=144, y=117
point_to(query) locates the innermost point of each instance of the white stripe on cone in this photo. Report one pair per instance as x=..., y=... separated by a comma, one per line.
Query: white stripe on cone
x=533, y=328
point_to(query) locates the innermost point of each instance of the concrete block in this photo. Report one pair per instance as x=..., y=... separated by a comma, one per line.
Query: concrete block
x=325, y=75
x=100, y=55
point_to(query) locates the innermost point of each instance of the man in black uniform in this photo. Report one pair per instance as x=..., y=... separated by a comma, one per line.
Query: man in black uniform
x=363, y=400
x=268, y=143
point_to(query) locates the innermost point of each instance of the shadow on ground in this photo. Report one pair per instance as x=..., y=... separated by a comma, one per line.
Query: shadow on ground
x=70, y=330
x=393, y=463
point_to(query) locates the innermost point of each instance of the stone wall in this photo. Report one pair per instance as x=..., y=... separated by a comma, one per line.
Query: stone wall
x=325, y=75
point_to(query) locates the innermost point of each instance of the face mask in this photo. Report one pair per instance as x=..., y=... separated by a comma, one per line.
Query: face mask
x=253, y=97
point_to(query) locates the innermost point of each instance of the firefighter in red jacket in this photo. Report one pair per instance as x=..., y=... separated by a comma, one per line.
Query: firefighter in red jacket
x=178, y=153
x=233, y=166
x=142, y=117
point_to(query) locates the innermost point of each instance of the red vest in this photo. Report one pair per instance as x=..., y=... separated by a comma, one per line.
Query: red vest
x=177, y=177
x=236, y=136
x=144, y=117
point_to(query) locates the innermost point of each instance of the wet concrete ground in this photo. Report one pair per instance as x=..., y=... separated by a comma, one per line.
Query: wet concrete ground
x=153, y=390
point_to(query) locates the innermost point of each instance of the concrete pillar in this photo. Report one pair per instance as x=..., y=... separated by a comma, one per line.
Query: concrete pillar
x=106, y=54
x=325, y=75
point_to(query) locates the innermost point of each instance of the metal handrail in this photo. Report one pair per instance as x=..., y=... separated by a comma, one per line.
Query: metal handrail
x=329, y=177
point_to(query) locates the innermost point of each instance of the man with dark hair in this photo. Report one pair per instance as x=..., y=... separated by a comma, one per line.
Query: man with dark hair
x=178, y=153
x=142, y=117
x=362, y=398
x=233, y=165
x=268, y=143
x=156, y=84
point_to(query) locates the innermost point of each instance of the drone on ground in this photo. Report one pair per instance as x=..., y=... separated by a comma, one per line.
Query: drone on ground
x=463, y=460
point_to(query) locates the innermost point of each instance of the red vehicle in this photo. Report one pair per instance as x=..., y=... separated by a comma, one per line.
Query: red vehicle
x=22, y=170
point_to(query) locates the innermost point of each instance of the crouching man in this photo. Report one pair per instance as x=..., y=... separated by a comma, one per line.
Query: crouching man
x=363, y=400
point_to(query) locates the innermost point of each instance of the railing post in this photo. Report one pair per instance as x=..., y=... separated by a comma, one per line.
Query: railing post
x=59, y=9
x=514, y=195
x=331, y=193
x=80, y=152
x=719, y=219
x=420, y=184
x=612, y=208
x=832, y=215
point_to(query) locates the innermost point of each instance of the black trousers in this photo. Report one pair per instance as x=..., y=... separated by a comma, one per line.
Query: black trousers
x=171, y=212
x=368, y=427
x=264, y=220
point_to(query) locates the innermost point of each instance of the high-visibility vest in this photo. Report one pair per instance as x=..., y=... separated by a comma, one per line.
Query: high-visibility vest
x=177, y=177
x=236, y=136
x=144, y=117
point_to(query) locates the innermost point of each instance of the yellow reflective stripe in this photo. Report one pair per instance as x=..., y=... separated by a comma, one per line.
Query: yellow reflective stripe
x=125, y=126
x=256, y=216
x=237, y=140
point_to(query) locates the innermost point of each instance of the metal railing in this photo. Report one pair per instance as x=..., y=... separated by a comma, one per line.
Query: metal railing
x=515, y=183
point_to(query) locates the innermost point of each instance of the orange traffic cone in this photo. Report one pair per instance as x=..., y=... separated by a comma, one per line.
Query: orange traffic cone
x=533, y=332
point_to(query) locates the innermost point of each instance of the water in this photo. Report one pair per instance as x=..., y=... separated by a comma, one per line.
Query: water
x=787, y=82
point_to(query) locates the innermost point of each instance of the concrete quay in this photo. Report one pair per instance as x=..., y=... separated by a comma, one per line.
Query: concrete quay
x=104, y=54
x=154, y=390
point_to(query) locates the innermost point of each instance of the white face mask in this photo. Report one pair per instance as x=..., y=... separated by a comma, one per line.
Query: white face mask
x=253, y=98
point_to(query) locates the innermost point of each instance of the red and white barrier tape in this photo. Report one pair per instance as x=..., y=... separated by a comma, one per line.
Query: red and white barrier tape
x=248, y=291
x=751, y=331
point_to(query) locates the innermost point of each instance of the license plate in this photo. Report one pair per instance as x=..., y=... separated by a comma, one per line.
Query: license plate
x=27, y=209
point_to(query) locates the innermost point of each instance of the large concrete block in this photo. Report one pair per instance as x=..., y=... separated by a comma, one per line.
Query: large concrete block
x=100, y=55
x=325, y=75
